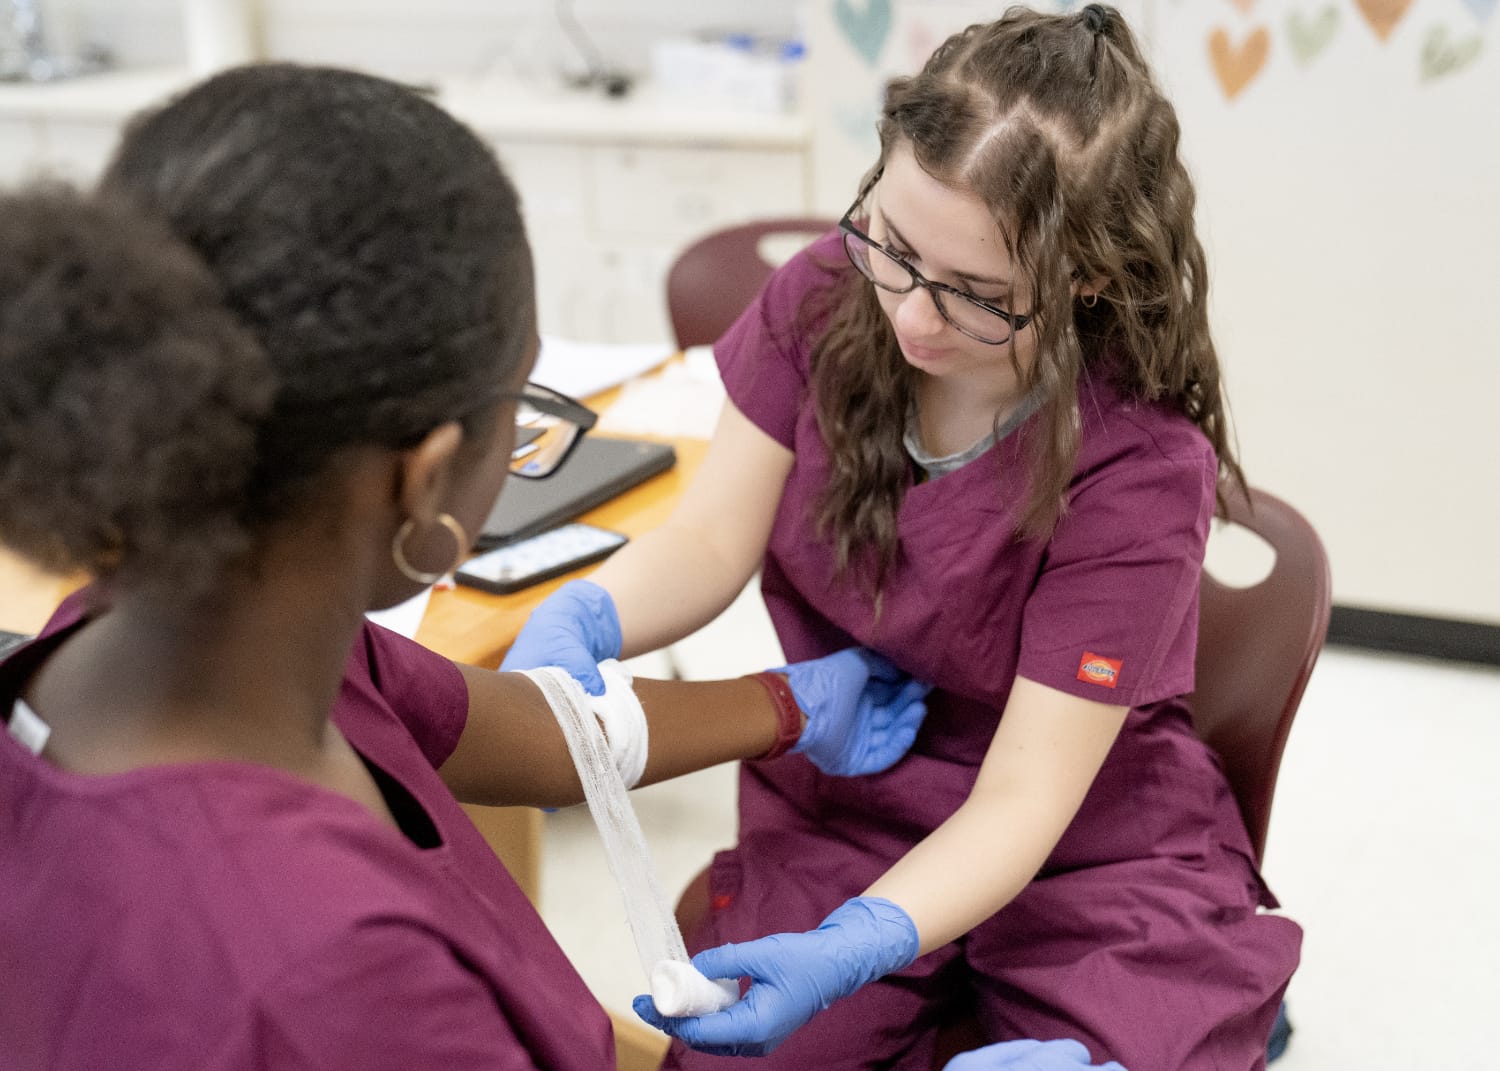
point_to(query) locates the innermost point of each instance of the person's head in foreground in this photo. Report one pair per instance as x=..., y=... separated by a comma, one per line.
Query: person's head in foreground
x=289, y=280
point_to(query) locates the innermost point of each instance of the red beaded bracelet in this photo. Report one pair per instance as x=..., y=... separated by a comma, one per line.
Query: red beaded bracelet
x=789, y=717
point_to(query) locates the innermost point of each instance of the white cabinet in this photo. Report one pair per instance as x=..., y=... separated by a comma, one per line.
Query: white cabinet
x=69, y=129
x=78, y=149
x=20, y=148
x=608, y=218
x=612, y=190
x=66, y=148
x=656, y=193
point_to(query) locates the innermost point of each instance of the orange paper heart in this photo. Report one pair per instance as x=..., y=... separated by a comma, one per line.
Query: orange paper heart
x=1238, y=66
x=1243, y=5
x=1382, y=15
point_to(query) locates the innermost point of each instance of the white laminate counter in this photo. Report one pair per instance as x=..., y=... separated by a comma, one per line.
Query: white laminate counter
x=110, y=97
x=500, y=109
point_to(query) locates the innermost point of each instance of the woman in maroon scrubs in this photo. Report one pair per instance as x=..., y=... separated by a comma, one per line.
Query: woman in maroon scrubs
x=980, y=430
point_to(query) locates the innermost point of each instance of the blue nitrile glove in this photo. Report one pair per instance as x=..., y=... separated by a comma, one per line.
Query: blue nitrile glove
x=793, y=977
x=1028, y=1055
x=575, y=627
x=862, y=712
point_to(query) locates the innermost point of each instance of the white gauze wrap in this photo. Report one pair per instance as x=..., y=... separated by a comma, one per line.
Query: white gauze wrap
x=677, y=987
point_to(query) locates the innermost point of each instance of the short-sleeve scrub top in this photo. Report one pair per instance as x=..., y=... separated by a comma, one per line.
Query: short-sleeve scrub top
x=222, y=915
x=1106, y=608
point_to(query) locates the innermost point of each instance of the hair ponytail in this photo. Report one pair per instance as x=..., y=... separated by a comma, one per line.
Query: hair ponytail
x=129, y=395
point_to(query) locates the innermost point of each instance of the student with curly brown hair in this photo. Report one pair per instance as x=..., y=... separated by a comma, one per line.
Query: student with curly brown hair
x=265, y=380
x=981, y=430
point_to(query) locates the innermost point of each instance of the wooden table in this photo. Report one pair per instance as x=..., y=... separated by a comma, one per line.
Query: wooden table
x=476, y=627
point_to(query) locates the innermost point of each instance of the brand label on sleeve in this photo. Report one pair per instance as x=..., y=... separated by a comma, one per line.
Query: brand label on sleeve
x=1096, y=669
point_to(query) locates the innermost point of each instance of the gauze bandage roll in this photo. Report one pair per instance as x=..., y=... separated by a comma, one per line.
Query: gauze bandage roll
x=677, y=987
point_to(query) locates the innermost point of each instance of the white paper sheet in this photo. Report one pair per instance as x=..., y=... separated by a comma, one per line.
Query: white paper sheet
x=579, y=369
x=683, y=401
x=404, y=617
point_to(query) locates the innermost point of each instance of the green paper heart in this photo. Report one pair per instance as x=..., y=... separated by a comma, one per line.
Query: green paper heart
x=1310, y=35
x=866, y=30
x=1442, y=56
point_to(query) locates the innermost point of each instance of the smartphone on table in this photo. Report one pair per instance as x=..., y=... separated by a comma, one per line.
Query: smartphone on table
x=540, y=557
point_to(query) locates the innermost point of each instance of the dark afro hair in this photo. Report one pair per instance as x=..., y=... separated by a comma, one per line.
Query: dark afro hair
x=282, y=263
x=129, y=395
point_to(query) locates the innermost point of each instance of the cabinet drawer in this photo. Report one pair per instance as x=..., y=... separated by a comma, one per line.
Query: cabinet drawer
x=674, y=194
x=552, y=180
x=78, y=150
x=20, y=149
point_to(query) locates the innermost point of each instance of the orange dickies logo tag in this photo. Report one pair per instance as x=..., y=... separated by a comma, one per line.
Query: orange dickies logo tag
x=1096, y=669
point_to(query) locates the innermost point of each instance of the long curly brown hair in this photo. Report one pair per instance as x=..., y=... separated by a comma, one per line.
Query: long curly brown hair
x=1057, y=124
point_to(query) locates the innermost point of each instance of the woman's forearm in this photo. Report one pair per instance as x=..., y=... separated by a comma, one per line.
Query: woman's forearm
x=1045, y=754
x=513, y=753
x=997, y=845
x=680, y=576
x=667, y=584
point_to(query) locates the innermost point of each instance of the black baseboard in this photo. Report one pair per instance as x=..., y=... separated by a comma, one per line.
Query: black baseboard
x=1430, y=637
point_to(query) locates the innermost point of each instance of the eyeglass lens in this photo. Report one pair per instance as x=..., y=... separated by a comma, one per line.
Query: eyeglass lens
x=542, y=440
x=889, y=273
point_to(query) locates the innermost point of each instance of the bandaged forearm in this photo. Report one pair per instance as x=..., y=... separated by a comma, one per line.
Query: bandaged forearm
x=608, y=742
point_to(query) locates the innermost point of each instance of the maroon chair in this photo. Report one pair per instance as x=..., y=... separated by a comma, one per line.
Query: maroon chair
x=1256, y=649
x=714, y=279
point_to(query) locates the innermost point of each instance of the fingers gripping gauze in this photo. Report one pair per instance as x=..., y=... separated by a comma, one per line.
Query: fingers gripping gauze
x=605, y=768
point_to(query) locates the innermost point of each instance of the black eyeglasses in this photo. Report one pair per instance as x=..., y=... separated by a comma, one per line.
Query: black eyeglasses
x=549, y=425
x=972, y=316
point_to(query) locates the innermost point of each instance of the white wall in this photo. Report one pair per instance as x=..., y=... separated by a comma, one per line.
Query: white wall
x=1349, y=207
x=1350, y=203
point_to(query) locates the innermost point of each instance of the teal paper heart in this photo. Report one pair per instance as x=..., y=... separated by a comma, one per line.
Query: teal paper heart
x=866, y=30
x=1309, y=36
x=1442, y=57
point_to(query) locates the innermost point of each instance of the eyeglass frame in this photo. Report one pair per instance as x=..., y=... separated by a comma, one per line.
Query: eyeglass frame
x=1017, y=321
x=555, y=404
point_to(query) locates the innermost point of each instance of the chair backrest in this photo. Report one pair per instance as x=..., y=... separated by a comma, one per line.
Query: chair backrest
x=1256, y=649
x=713, y=280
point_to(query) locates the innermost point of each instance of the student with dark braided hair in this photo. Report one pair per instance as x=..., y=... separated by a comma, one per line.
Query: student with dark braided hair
x=262, y=381
x=979, y=429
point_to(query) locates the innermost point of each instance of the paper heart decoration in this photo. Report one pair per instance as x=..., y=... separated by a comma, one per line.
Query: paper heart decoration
x=1382, y=15
x=1243, y=5
x=921, y=42
x=865, y=27
x=1237, y=66
x=1309, y=35
x=1482, y=9
x=1442, y=56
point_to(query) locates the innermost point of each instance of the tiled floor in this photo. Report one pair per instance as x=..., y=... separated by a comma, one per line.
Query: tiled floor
x=1385, y=845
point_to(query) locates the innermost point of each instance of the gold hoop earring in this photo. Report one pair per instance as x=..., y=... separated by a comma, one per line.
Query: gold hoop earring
x=1090, y=300
x=408, y=526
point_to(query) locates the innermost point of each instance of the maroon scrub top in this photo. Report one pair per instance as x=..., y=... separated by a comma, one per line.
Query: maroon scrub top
x=225, y=915
x=1153, y=886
